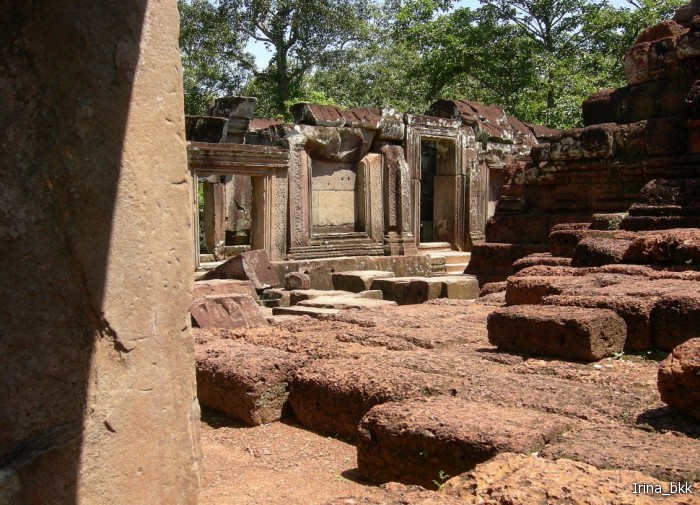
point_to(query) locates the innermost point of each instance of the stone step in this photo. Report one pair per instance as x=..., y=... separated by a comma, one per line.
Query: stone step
x=414, y=441
x=563, y=332
x=245, y=381
x=415, y=290
x=456, y=268
x=431, y=247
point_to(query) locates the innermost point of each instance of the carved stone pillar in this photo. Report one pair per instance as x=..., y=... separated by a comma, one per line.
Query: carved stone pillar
x=398, y=224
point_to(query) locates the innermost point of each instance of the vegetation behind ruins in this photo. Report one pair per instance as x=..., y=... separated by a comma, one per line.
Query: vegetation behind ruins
x=537, y=58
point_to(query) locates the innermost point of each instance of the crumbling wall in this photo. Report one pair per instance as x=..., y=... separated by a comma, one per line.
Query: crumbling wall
x=97, y=369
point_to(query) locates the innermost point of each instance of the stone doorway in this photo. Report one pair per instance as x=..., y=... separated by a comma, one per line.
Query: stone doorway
x=439, y=187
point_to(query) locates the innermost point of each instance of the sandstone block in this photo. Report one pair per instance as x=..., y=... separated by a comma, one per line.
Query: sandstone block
x=395, y=288
x=598, y=251
x=675, y=319
x=412, y=441
x=599, y=108
x=562, y=243
x=495, y=261
x=667, y=457
x=636, y=63
x=634, y=310
x=297, y=281
x=331, y=396
x=532, y=289
x=276, y=297
x=253, y=265
x=459, y=287
x=216, y=287
x=227, y=311
x=679, y=378
x=564, y=332
x=245, y=381
x=310, y=294
x=234, y=107
x=492, y=288
x=346, y=145
x=206, y=129
x=678, y=247
x=518, y=479
x=345, y=302
x=592, y=142
x=317, y=115
x=358, y=281
x=545, y=259
x=314, y=312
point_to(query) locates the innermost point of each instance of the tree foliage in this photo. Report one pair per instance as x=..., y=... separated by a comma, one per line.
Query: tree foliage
x=537, y=58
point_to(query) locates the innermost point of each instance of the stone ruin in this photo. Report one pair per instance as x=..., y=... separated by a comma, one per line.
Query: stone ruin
x=364, y=182
x=100, y=402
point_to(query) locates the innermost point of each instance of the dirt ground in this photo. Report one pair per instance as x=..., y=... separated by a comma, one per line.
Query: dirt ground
x=283, y=463
x=275, y=464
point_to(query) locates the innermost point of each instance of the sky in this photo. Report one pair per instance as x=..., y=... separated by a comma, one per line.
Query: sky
x=262, y=56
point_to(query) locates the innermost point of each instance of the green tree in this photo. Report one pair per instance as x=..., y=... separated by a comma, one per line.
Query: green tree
x=210, y=55
x=299, y=33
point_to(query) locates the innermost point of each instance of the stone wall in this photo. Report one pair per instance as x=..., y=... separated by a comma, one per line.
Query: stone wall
x=97, y=369
x=644, y=131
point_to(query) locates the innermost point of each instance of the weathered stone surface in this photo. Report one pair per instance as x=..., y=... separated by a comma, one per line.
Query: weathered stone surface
x=545, y=259
x=397, y=494
x=216, y=287
x=459, y=287
x=310, y=294
x=679, y=247
x=254, y=266
x=96, y=256
x=562, y=243
x=276, y=297
x=234, y=107
x=412, y=441
x=297, y=281
x=345, y=302
x=598, y=251
x=668, y=457
x=227, y=311
x=494, y=262
x=532, y=289
x=518, y=479
x=332, y=396
x=206, y=129
x=675, y=318
x=493, y=287
x=564, y=332
x=679, y=378
x=303, y=311
x=247, y=382
x=592, y=142
x=317, y=115
x=634, y=310
x=346, y=145
x=358, y=281
x=521, y=229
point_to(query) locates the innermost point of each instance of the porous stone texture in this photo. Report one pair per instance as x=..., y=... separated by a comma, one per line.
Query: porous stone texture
x=675, y=318
x=358, y=281
x=544, y=259
x=247, y=382
x=297, y=281
x=412, y=441
x=304, y=311
x=217, y=287
x=253, y=266
x=564, y=332
x=668, y=457
x=345, y=302
x=679, y=378
x=494, y=262
x=98, y=397
x=518, y=479
x=227, y=311
x=332, y=396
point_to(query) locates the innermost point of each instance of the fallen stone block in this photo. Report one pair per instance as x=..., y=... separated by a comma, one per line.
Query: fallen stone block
x=314, y=312
x=253, y=265
x=413, y=441
x=596, y=251
x=531, y=290
x=394, y=289
x=458, y=287
x=668, y=457
x=675, y=318
x=372, y=294
x=297, y=281
x=245, y=381
x=679, y=378
x=217, y=287
x=345, y=302
x=563, y=332
x=227, y=311
x=494, y=262
x=358, y=281
x=317, y=115
x=276, y=297
x=677, y=247
x=518, y=479
x=331, y=396
x=634, y=310
x=310, y=294
x=562, y=243
x=492, y=288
